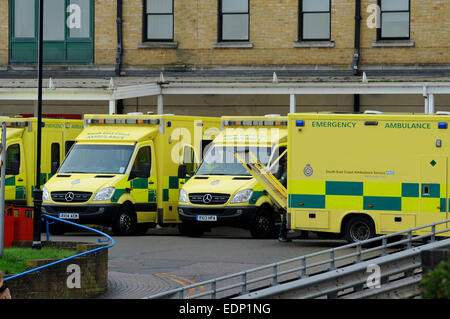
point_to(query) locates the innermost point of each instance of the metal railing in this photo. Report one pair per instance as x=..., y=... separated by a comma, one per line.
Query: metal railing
x=308, y=266
x=46, y=219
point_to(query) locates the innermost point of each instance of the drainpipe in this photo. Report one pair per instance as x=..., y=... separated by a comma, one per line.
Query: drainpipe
x=356, y=54
x=119, y=38
x=357, y=37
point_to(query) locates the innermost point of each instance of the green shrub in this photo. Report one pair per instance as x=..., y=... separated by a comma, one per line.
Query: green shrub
x=435, y=283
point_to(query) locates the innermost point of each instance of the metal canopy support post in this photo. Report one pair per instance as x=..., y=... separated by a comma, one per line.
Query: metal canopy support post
x=431, y=103
x=160, y=104
x=112, y=107
x=293, y=104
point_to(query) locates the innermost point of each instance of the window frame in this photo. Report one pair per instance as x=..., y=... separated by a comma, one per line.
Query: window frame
x=145, y=24
x=220, y=24
x=68, y=41
x=379, y=30
x=8, y=159
x=301, y=19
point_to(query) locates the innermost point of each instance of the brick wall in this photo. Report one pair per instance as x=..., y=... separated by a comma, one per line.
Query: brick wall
x=4, y=32
x=273, y=31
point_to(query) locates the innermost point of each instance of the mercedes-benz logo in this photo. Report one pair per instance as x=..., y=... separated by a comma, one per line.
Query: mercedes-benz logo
x=207, y=198
x=69, y=196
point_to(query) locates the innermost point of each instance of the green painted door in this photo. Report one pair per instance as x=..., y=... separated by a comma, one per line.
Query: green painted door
x=68, y=31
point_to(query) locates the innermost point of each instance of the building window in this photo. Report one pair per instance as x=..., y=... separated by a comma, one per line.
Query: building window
x=315, y=20
x=68, y=31
x=234, y=20
x=158, y=20
x=395, y=20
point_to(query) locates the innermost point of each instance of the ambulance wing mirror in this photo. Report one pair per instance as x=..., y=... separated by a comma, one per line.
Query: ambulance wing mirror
x=182, y=171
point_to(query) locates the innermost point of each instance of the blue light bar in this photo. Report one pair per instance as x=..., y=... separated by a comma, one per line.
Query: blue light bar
x=299, y=123
x=443, y=125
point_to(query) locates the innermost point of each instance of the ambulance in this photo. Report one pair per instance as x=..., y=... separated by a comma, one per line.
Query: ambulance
x=58, y=135
x=222, y=192
x=362, y=175
x=123, y=171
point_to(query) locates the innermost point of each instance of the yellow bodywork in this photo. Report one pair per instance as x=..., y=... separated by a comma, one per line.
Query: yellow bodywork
x=21, y=134
x=173, y=140
x=240, y=132
x=392, y=168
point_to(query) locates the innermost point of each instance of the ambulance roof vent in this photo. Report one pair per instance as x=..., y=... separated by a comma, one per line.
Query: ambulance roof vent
x=372, y=112
x=442, y=113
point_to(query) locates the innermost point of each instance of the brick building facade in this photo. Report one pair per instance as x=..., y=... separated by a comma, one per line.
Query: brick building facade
x=235, y=35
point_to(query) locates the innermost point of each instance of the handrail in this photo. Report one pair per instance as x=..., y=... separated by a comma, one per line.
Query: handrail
x=71, y=257
x=330, y=260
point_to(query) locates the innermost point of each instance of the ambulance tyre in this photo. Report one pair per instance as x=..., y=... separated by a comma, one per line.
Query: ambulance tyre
x=125, y=224
x=359, y=228
x=264, y=225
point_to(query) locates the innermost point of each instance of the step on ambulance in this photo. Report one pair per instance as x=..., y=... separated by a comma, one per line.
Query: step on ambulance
x=123, y=170
x=58, y=135
x=222, y=192
x=362, y=175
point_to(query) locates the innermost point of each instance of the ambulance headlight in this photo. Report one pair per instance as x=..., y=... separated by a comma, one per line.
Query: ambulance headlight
x=104, y=194
x=45, y=194
x=183, y=196
x=242, y=196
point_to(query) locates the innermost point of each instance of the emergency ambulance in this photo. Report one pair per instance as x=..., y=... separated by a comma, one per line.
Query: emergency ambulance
x=123, y=170
x=58, y=135
x=222, y=192
x=362, y=175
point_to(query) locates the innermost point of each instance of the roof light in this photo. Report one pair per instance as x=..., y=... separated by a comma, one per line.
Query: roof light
x=443, y=125
x=299, y=123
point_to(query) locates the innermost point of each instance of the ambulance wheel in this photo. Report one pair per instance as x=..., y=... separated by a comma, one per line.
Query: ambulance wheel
x=125, y=224
x=359, y=228
x=264, y=225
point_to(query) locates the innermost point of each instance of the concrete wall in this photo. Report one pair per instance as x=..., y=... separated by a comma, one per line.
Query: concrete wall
x=51, y=283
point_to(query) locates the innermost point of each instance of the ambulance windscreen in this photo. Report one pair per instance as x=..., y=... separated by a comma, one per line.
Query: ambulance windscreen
x=221, y=160
x=95, y=159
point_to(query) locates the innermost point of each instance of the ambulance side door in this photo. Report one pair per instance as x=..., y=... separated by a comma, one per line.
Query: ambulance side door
x=16, y=177
x=143, y=182
x=433, y=190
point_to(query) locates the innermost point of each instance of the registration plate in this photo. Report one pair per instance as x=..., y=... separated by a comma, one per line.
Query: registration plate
x=206, y=218
x=69, y=216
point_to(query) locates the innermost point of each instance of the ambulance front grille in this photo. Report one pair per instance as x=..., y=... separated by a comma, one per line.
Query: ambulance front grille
x=208, y=198
x=71, y=197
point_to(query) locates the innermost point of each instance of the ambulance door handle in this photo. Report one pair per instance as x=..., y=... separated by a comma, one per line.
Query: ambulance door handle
x=151, y=182
x=398, y=219
x=312, y=216
x=20, y=180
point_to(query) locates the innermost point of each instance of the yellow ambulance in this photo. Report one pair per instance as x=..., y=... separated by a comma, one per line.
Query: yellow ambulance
x=123, y=170
x=362, y=175
x=222, y=192
x=58, y=135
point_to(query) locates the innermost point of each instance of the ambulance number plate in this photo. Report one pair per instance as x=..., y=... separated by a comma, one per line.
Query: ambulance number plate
x=206, y=218
x=69, y=216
